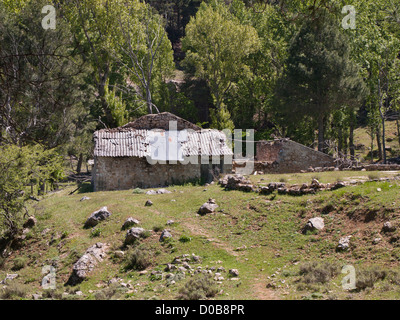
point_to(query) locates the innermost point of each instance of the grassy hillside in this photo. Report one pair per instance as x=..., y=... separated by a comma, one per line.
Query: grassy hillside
x=260, y=236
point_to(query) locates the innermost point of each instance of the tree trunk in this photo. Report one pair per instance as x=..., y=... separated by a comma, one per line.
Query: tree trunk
x=379, y=144
x=321, y=139
x=351, y=141
x=340, y=141
x=398, y=130
x=79, y=165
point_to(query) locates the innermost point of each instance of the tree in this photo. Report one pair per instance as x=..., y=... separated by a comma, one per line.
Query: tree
x=20, y=167
x=319, y=77
x=146, y=51
x=216, y=45
x=40, y=77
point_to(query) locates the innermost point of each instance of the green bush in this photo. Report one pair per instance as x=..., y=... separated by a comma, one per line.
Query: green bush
x=137, y=259
x=184, y=239
x=13, y=291
x=313, y=272
x=19, y=263
x=199, y=288
x=96, y=232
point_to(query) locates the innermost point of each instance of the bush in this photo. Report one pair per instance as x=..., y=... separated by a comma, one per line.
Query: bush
x=13, y=291
x=184, y=239
x=138, y=191
x=137, y=259
x=158, y=228
x=19, y=263
x=199, y=288
x=367, y=278
x=315, y=273
x=111, y=292
x=96, y=232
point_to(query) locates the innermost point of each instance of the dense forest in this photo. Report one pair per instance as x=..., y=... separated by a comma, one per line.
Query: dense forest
x=309, y=70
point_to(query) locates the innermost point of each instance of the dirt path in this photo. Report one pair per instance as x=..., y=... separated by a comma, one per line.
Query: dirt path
x=261, y=292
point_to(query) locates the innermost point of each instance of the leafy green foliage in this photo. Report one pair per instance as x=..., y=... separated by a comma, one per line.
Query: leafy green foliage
x=20, y=167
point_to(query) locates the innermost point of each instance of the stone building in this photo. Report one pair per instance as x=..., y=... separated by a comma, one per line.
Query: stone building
x=150, y=152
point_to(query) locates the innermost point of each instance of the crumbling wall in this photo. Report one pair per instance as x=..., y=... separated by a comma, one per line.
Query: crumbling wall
x=286, y=156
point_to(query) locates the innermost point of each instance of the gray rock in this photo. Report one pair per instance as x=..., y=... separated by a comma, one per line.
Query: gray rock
x=84, y=198
x=96, y=217
x=208, y=207
x=164, y=235
x=316, y=223
x=148, y=203
x=344, y=244
x=169, y=222
x=88, y=262
x=150, y=192
x=163, y=191
x=9, y=277
x=234, y=272
x=133, y=234
x=388, y=227
x=36, y=296
x=119, y=254
x=129, y=223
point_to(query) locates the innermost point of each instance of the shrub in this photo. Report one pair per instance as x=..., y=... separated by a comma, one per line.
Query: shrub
x=96, y=232
x=367, y=278
x=158, y=228
x=184, y=239
x=19, y=263
x=13, y=291
x=111, y=292
x=315, y=273
x=138, y=191
x=199, y=288
x=137, y=259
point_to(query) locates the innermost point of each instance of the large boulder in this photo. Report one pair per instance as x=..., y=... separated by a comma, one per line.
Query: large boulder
x=96, y=217
x=208, y=207
x=133, y=234
x=87, y=263
x=312, y=224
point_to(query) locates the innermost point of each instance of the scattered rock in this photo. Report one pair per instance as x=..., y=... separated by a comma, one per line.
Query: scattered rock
x=164, y=235
x=169, y=222
x=163, y=191
x=9, y=277
x=208, y=207
x=148, y=203
x=119, y=254
x=84, y=198
x=30, y=223
x=129, y=223
x=316, y=223
x=344, y=244
x=36, y=296
x=96, y=217
x=87, y=263
x=234, y=272
x=376, y=240
x=388, y=227
x=133, y=234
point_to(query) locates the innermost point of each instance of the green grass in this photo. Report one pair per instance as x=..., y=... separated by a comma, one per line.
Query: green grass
x=267, y=230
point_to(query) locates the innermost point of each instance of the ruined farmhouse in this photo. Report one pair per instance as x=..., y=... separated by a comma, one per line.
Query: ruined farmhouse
x=149, y=153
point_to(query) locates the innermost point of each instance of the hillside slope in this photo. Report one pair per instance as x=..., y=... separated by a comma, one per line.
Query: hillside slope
x=260, y=236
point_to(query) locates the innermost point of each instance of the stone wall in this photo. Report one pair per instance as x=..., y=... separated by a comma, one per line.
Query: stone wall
x=122, y=173
x=160, y=121
x=286, y=156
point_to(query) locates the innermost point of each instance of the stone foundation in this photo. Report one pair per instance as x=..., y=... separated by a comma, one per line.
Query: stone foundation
x=122, y=173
